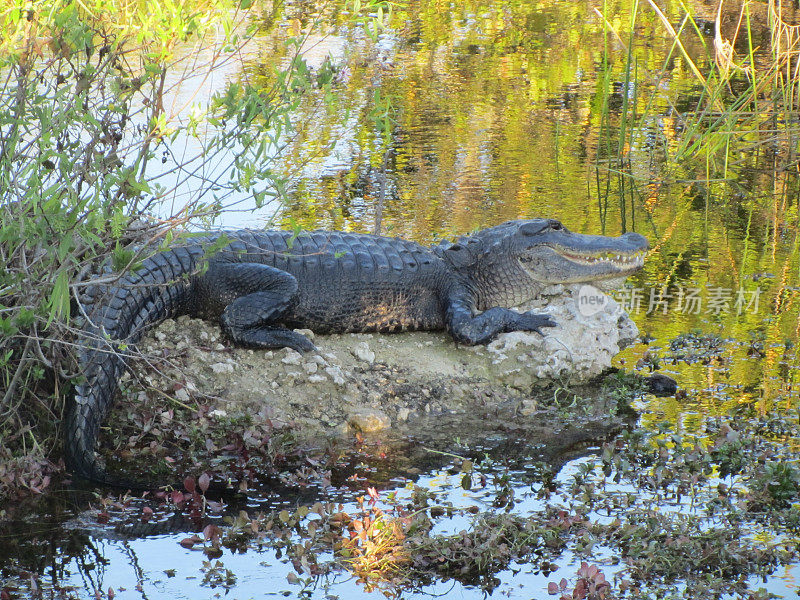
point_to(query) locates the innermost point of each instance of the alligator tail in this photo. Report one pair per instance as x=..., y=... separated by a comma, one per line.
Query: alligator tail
x=116, y=316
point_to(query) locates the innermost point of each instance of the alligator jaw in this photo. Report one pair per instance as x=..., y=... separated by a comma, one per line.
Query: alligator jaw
x=620, y=261
x=552, y=264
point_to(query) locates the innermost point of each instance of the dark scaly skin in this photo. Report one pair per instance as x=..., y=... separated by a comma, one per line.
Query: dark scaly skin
x=264, y=284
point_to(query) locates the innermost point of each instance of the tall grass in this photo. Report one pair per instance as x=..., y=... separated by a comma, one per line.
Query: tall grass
x=732, y=145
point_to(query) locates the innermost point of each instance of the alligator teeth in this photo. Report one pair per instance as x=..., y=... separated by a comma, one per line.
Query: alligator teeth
x=619, y=261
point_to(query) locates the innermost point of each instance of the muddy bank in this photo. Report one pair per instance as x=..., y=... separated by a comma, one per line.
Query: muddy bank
x=371, y=382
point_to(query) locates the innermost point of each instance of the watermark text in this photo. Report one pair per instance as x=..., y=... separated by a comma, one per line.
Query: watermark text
x=688, y=300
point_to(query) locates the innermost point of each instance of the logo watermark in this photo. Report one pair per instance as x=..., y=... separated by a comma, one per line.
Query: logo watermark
x=590, y=300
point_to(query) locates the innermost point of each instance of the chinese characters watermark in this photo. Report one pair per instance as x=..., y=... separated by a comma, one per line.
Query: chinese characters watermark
x=692, y=301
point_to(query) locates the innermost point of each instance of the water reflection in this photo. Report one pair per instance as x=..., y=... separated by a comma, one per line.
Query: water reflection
x=83, y=545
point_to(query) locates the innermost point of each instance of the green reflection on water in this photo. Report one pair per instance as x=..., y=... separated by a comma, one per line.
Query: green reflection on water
x=521, y=109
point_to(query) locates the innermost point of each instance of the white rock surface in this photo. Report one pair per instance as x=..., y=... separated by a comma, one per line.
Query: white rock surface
x=393, y=376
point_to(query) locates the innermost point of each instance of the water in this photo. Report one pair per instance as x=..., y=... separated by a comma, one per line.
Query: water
x=502, y=110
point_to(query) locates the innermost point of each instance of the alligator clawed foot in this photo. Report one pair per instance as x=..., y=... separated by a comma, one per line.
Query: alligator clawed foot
x=303, y=347
x=532, y=321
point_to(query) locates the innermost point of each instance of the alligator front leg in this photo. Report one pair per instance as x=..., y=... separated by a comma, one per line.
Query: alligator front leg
x=471, y=329
x=256, y=297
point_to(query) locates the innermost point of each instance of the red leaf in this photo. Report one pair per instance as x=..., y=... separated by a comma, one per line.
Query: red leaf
x=111, y=593
x=552, y=587
x=203, y=482
x=147, y=514
x=187, y=542
x=189, y=484
x=211, y=532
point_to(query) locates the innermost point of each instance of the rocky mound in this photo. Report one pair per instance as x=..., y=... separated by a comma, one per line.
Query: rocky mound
x=370, y=382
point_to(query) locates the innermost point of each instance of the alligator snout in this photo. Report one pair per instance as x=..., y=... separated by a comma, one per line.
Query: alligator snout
x=636, y=240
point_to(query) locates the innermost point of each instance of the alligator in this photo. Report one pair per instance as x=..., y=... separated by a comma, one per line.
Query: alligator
x=263, y=285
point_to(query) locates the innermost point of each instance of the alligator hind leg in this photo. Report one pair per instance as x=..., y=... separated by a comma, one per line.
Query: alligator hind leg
x=257, y=297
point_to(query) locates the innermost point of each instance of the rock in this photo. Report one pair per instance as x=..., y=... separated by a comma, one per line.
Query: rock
x=336, y=374
x=661, y=385
x=363, y=353
x=292, y=357
x=529, y=407
x=182, y=394
x=403, y=374
x=368, y=420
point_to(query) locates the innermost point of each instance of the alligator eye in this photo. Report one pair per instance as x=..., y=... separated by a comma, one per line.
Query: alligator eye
x=556, y=226
x=534, y=227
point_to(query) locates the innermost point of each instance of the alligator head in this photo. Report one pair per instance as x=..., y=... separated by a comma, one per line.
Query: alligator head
x=512, y=263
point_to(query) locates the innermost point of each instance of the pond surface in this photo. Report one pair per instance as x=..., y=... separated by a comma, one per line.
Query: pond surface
x=506, y=110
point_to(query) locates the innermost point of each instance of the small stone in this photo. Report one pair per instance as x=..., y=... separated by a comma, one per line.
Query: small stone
x=310, y=367
x=362, y=352
x=217, y=413
x=317, y=379
x=336, y=374
x=274, y=385
x=182, y=394
x=203, y=336
x=369, y=420
x=219, y=347
x=403, y=414
x=222, y=367
x=292, y=357
x=182, y=345
x=319, y=360
x=306, y=332
x=161, y=336
x=529, y=407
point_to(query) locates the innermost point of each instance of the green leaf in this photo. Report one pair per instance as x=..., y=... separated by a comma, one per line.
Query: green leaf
x=58, y=303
